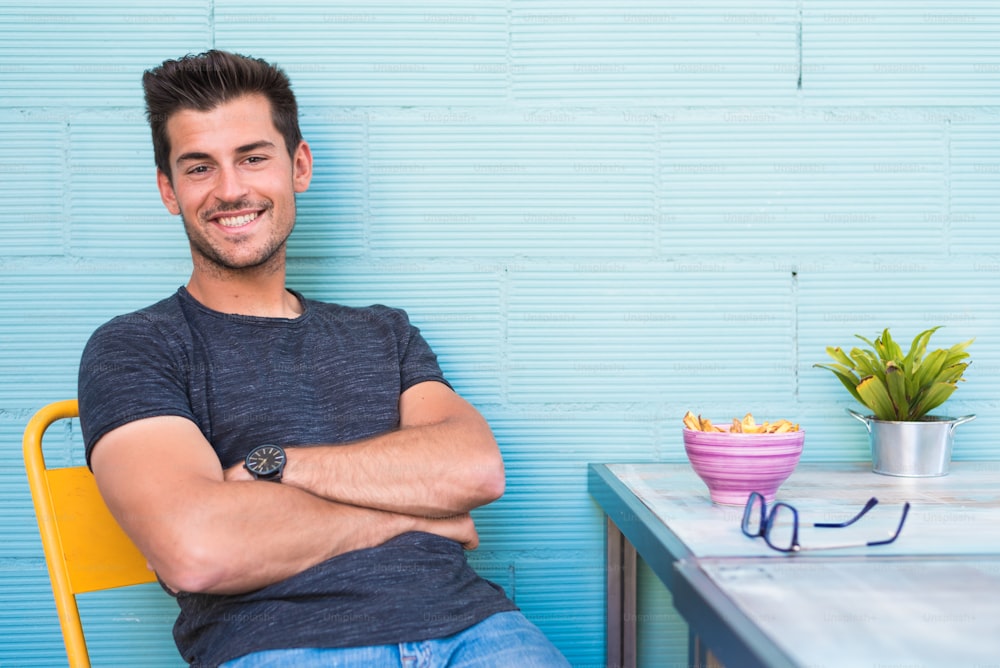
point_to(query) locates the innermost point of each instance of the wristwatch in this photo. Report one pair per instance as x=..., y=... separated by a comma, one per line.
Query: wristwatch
x=266, y=462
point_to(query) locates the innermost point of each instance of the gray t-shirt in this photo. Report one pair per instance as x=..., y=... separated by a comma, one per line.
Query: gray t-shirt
x=332, y=375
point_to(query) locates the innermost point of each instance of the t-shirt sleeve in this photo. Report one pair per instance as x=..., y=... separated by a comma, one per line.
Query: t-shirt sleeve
x=129, y=371
x=417, y=362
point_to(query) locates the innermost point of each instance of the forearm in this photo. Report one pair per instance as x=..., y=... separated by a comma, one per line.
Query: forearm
x=262, y=533
x=431, y=470
x=245, y=535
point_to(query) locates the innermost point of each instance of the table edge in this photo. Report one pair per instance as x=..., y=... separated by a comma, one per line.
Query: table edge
x=658, y=546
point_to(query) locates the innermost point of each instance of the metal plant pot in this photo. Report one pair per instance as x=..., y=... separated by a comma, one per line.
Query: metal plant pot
x=920, y=449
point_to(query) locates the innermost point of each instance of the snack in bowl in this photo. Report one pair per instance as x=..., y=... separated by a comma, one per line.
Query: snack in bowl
x=743, y=456
x=745, y=426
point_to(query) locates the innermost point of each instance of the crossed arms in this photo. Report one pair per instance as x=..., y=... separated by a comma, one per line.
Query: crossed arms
x=204, y=529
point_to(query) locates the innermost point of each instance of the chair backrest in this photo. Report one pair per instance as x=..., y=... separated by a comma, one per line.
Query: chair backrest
x=85, y=549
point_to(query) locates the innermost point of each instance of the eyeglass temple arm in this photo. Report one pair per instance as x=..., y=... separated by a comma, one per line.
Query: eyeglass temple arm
x=872, y=502
x=906, y=510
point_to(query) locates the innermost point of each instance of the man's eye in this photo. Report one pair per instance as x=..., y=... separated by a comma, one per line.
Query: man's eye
x=256, y=159
x=198, y=169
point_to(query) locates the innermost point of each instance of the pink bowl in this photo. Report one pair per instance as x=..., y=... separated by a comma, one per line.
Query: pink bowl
x=733, y=465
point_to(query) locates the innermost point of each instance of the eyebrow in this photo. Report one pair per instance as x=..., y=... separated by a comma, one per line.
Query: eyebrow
x=192, y=156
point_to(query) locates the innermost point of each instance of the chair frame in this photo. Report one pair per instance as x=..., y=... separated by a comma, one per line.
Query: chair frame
x=85, y=548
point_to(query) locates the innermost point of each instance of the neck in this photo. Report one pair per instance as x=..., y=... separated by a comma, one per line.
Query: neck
x=262, y=296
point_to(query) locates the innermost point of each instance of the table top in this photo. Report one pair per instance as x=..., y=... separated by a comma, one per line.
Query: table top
x=954, y=514
x=851, y=611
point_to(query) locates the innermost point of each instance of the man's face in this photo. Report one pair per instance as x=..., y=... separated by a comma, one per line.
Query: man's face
x=233, y=185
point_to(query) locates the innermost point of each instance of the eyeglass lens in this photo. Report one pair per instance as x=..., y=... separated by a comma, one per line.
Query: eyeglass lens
x=753, y=516
x=782, y=523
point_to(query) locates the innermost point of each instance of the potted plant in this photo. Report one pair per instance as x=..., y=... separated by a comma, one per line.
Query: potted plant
x=900, y=389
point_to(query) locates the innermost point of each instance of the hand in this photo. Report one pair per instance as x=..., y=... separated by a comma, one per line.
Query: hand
x=459, y=528
x=237, y=472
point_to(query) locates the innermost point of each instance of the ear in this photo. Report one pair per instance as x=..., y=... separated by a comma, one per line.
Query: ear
x=167, y=193
x=302, y=167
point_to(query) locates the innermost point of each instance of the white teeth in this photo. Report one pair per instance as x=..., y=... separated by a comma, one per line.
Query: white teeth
x=236, y=221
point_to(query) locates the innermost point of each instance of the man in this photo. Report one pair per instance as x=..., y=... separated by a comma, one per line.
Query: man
x=298, y=474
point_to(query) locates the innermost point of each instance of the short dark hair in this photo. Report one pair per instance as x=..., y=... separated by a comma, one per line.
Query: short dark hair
x=203, y=82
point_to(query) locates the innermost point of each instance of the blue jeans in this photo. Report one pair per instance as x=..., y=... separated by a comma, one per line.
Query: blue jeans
x=505, y=640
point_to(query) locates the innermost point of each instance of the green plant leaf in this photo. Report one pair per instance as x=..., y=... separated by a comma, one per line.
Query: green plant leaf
x=870, y=343
x=896, y=383
x=890, y=349
x=919, y=347
x=952, y=373
x=845, y=376
x=930, y=367
x=933, y=396
x=910, y=378
x=876, y=397
x=880, y=349
x=958, y=352
x=840, y=356
x=842, y=370
x=866, y=363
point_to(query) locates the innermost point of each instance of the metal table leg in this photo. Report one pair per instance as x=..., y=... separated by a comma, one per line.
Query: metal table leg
x=621, y=594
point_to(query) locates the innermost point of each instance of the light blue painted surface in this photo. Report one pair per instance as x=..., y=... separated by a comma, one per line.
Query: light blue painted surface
x=600, y=215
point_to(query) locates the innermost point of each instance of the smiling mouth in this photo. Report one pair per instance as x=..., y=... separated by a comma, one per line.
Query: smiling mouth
x=237, y=221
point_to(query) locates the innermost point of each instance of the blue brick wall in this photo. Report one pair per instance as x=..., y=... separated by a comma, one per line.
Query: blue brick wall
x=601, y=215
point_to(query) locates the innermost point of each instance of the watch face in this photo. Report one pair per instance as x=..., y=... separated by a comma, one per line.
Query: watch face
x=265, y=460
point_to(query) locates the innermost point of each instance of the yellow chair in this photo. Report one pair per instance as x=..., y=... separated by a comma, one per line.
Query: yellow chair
x=85, y=549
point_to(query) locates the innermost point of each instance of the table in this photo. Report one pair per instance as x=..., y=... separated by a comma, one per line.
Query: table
x=663, y=513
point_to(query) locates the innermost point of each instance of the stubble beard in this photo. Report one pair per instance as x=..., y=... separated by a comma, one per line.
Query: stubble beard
x=212, y=260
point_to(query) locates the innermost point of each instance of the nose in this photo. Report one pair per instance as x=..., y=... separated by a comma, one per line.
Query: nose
x=230, y=187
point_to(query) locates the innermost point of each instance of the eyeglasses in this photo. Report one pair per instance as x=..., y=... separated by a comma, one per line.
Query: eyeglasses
x=779, y=525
